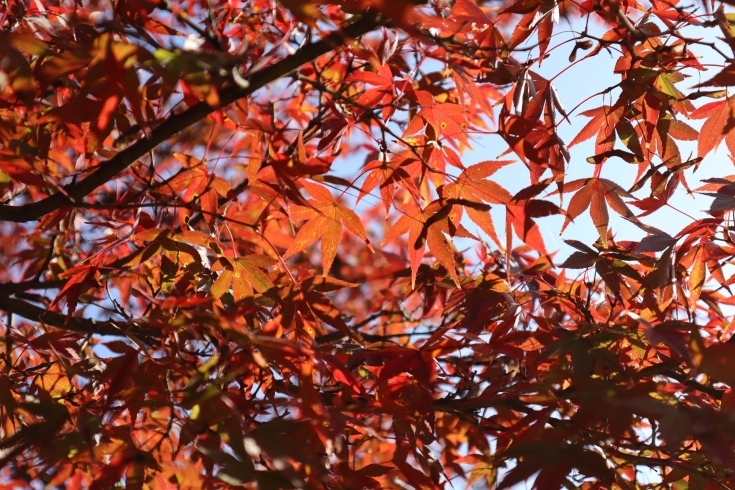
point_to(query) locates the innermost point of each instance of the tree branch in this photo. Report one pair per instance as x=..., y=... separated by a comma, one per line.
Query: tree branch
x=8, y=288
x=74, y=193
x=76, y=324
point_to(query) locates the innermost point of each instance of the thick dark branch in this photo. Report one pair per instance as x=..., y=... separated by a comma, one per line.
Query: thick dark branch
x=74, y=193
x=695, y=385
x=75, y=324
x=8, y=288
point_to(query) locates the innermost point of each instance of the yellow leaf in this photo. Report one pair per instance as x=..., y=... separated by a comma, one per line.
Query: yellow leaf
x=54, y=381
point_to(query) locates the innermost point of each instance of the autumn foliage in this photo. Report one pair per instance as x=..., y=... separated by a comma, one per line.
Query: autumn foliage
x=255, y=243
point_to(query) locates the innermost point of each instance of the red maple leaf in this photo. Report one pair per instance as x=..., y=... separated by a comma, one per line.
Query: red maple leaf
x=718, y=126
x=446, y=119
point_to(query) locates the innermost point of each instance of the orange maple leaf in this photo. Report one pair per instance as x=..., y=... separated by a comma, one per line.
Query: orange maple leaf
x=593, y=194
x=244, y=274
x=428, y=226
x=326, y=218
x=388, y=175
x=472, y=186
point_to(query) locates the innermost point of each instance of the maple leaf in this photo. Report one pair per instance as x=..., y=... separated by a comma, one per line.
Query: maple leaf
x=388, y=175
x=20, y=170
x=78, y=277
x=596, y=194
x=519, y=216
x=437, y=156
x=468, y=11
x=445, y=119
x=19, y=73
x=244, y=274
x=725, y=78
x=481, y=94
x=384, y=89
x=89, y=121
x=718, y=126
x=55, y=381
x=603, y=123
x=428, y=226
x=306, y=305
x=697, y=276
x=723, y=190
x=472, y=19
x=471, y=185
x=326, y=219
x=528, y=139
x=304, y=11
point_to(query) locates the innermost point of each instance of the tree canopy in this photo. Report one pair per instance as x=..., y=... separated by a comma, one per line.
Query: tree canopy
x=251, y=242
